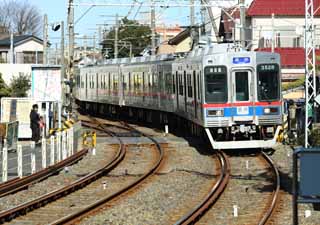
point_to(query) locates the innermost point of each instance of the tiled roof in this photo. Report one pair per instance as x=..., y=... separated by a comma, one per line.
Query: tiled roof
x=280, y=7
x=291, y=56
x=18, y=39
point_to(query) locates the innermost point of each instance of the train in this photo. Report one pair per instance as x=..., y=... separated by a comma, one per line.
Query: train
x=231, y=95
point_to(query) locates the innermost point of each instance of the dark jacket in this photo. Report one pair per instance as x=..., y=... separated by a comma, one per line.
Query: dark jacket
x=34, y=119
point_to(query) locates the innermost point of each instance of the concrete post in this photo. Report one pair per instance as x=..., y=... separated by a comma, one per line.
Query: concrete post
x=33, y=163
x=44, y=153
x=64, y=145
x=52, y=150
x=19, y=153
x=58, y=136
x=4, y=164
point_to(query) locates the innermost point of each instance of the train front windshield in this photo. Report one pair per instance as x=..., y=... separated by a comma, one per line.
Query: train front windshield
x=268, y=82
x=216, y=84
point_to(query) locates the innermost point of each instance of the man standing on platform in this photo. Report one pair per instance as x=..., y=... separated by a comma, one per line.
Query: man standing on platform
x=34, y=123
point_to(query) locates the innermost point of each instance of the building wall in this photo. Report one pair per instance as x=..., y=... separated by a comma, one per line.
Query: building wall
x=29, y=46
x=289, y=31
x=184, y=46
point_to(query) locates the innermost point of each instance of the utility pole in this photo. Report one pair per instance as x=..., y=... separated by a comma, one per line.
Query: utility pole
x=45, y=38
x=192, y=22
x=116, y=38
x=213, y=23
x=310, y=81
x=62, y=51
x=71, y=52
x=272, y=33
x=243, y=23
x=71, y=39
x=153, y=28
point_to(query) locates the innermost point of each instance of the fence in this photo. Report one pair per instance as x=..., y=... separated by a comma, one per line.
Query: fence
x=28, y=159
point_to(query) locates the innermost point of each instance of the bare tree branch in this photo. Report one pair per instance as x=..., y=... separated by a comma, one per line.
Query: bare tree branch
x=20, y=17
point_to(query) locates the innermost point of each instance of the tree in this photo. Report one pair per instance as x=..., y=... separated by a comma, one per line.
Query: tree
x=4, y=89
x=20, y=85
x=129, y=31
x=20, y=17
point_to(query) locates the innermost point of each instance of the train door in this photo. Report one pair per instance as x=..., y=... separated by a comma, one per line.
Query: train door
x=97, y=87
x=185, y=91
x=242, y=96
x=86, y=86
x=121, y=86
x=195, y=103
x=177, y=88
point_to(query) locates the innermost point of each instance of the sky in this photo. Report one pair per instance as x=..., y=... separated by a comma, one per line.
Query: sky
x=88, y=25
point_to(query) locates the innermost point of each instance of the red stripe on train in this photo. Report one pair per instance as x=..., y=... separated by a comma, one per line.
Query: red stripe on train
x=223, y=105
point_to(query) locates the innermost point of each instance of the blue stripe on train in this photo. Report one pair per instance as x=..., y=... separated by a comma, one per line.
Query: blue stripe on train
x=240, y=111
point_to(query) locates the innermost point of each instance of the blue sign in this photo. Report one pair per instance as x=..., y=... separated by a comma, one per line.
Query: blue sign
x=241, y=60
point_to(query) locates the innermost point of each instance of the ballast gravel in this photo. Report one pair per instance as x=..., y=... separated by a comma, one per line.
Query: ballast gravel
x=182, y=182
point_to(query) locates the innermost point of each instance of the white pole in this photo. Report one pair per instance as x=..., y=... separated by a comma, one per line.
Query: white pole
x=64, y=145
x=4, y=164
x=19, y=152
x=70, y=141
x=33, y=163
x=59, y=114
x=52, y=150
x=44, y=153
x=58, y=146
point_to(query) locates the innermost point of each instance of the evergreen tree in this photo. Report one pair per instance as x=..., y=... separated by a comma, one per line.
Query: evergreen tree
x=129, y=31
x=20, y=85
x=4, y=89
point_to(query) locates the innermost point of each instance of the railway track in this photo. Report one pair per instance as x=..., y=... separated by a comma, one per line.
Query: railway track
x=216, y=190
x=78, y=187
x=254, y=193
x=18, y=184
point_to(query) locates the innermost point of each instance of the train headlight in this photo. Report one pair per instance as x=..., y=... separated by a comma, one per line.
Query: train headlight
x=266, y=110
x=215, y=112
x=270, y=110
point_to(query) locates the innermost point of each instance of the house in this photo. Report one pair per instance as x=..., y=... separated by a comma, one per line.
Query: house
x=27, y=49
x=180, y=43
x=287, y=30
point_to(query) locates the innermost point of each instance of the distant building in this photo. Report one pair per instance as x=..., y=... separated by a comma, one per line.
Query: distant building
x=27, y=49
x=165, y=33
x=179, y=43
x=289, y=21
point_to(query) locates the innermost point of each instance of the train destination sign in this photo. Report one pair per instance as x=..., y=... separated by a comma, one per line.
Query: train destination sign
x=241, y=60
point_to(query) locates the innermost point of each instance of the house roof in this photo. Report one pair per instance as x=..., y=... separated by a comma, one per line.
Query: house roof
x=17, y=40
x=280, y=7
x=180, y=37
x=291, y=56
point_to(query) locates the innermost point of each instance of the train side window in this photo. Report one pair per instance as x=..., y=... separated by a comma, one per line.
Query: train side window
x=199, y=94
x=129, y=77
x=173, y=84
x=189, y=85
x=180, y=84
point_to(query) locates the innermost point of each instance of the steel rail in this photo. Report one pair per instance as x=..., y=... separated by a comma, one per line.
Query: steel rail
x=212, y=196
x=276, y=192
x=18, y=184
x=54, y=195
x=75, y=217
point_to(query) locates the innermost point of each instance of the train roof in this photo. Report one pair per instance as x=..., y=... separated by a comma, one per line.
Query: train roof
x=196, y=53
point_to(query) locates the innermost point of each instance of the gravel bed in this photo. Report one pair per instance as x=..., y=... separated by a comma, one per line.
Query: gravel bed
x=137, y=161
x=183, y=180
x=89, y=163
x=248, y=189
x=283, y=216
